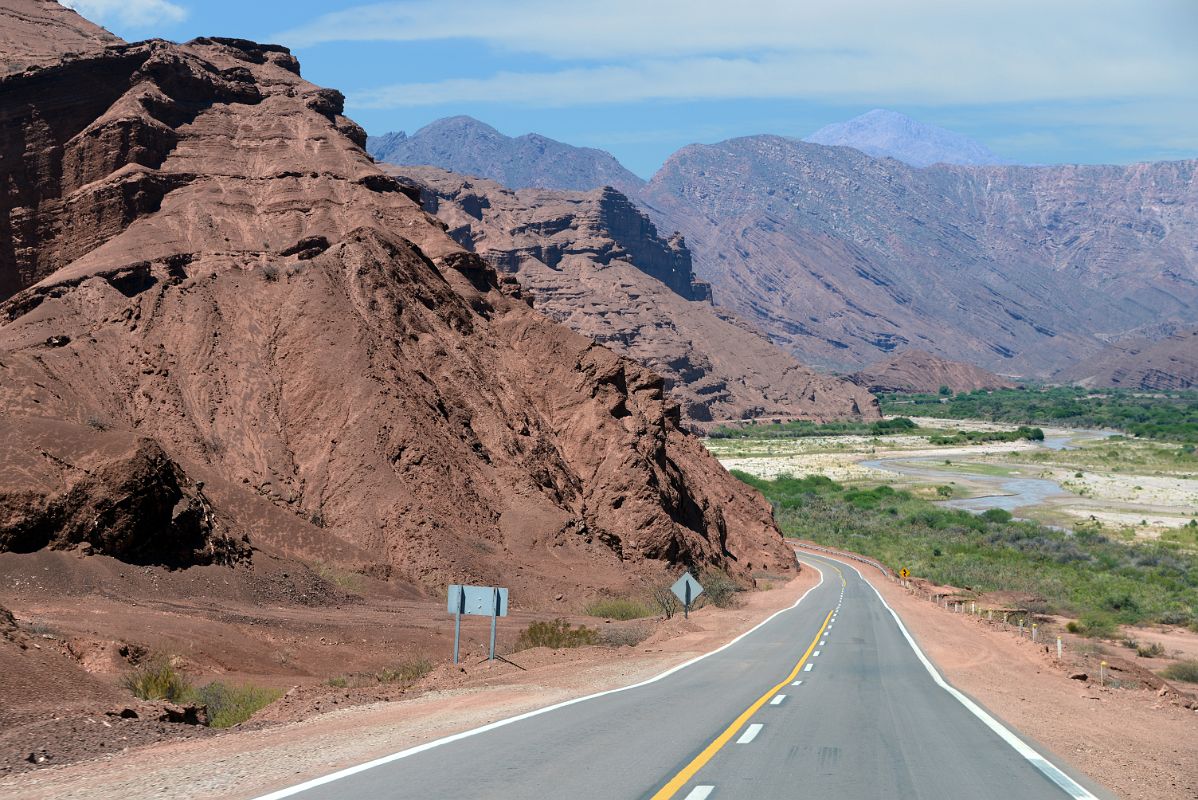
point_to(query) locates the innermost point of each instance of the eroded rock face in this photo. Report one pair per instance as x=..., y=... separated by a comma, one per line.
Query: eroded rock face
x=594, y=262
x=917, y=371
x=284, y=317
x=139, y=507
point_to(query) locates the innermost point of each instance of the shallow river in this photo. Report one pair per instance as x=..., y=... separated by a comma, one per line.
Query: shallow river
x=1009, y=492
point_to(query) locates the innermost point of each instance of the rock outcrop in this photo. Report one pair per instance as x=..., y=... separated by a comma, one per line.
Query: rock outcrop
x=594, y=262
x=199, y=252
x=469, y=147
x=917, y=371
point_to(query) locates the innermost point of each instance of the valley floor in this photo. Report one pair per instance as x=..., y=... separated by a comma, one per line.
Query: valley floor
x=1135, y=488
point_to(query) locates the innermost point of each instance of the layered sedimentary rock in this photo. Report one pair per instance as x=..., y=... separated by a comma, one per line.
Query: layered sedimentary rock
x=201, y=260
x=917, y=371
x=596, y=263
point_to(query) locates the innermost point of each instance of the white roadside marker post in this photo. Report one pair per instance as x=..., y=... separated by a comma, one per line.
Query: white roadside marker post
x=1034, y=628
x=1058, y=648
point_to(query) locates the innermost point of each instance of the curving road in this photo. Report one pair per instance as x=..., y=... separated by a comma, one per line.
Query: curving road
x=829, y=698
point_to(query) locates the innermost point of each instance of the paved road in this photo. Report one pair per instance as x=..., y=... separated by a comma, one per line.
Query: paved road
x=826, y=699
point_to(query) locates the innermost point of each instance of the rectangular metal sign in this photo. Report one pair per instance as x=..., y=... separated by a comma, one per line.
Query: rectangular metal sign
x=478, y=600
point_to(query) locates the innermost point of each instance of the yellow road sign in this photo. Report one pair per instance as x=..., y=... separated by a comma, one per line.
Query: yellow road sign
x=905, y=573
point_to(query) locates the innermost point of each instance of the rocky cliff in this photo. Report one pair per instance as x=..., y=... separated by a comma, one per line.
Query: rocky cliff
x=917, y=371
x=843, y=258
x=469, y=147
x=594, y=262
x=213, y=290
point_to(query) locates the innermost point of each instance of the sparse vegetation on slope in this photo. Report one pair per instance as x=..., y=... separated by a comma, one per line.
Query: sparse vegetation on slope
x=1081, y=573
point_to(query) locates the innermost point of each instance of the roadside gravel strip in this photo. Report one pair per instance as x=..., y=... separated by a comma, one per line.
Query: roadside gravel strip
x=875, y=720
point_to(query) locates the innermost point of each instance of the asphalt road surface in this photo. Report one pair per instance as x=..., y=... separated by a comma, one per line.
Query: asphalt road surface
x=827, y=699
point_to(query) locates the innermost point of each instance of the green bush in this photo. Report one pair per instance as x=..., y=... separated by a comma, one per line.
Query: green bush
x=232, y=705
x=157, y=679
x=997, y=515
x=1153, y=650
x=620, y=608
x=719, y=589
x=1182, y=671
x=555, y=635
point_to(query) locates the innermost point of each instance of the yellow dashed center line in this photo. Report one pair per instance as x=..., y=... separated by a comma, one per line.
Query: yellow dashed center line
x=688, y=772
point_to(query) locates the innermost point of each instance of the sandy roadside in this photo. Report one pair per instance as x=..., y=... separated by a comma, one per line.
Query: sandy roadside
x=248, y=763
x=1129, y=741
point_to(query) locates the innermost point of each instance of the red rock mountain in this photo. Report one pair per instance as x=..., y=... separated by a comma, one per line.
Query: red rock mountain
x=224, y=327
x=917, y=371
x=594, y=262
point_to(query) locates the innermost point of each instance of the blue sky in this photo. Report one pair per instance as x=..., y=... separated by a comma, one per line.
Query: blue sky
x=1039, y=81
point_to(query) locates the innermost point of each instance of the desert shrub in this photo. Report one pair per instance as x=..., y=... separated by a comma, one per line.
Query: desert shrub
x=408, y=671
x=96, y=423
x=624, y=635
x=232, y=705
x=719, y=589
x=270, y=273
x=621, y=608
x=341, y=578
x=157, y=679
x=1150, y=650
x=1182, y=671
x=555, y=634
x=944, y=491
x=999, y=515
x=665, y=600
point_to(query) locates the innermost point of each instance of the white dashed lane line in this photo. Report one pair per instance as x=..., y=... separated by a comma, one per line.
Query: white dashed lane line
x=808, y=668
x=700, y=793
x=797, y=683
x=815, y=654
x=750, y=733
x=777, y=701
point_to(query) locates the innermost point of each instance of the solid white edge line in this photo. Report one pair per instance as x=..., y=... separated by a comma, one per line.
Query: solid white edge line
x=700, y=793
x=411, y=751
x=777, y=701
x=1050, y=770
x=750, y=733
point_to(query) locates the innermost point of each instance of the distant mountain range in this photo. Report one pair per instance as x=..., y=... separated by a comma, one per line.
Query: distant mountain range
x=469, y=147
x=888, y=134
x=843, y=258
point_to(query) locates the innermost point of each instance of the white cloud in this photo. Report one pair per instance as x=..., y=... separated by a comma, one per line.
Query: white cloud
x=920, y=51
x=129, y=13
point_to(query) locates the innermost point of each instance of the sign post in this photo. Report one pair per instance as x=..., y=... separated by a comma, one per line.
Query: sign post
x=483, y=601
x=686, y=589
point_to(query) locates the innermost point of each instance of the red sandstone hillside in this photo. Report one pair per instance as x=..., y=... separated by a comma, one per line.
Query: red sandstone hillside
x=594, y=262
x=219, y=308
x=917, y=371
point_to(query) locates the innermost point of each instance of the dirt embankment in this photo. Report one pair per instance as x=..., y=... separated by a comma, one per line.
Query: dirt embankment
x=290, y=742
